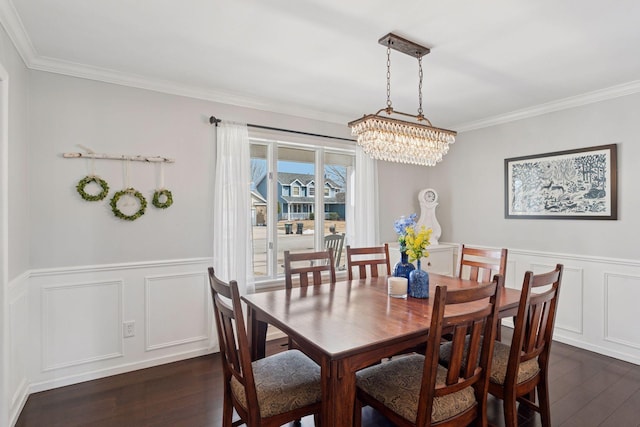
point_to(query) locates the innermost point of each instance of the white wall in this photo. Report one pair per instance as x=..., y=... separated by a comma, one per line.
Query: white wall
x=14, y=231
x=68, y=231
x=470, y=182
x=399, y=186
x=79, y=272
x=601, y=258
x=19, y=122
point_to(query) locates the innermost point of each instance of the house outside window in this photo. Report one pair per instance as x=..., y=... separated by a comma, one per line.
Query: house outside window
x=284, y=177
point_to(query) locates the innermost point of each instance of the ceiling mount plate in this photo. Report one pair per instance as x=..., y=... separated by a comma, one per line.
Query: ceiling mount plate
x=403, y=45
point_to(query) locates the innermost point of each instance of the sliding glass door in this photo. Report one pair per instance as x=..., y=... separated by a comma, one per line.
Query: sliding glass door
x=299, y=193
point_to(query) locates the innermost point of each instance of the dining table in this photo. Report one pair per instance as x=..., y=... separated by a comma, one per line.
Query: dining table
x=348, y=325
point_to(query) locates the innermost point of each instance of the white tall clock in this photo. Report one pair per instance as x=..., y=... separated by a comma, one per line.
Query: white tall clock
x=428, y=199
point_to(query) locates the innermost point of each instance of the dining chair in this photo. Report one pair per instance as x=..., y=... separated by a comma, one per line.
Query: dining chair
x=304, y=264
x=415, y=390
x=335, y=242
x=520, y=369
x=372, y=257
x=480, y=265
x=268, y=392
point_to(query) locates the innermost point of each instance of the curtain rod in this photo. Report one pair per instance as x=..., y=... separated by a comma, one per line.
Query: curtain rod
x=214, y=121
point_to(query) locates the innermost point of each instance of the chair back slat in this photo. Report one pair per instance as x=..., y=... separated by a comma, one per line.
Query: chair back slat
x=308, y=265
x=371, y=257
x=335, y=242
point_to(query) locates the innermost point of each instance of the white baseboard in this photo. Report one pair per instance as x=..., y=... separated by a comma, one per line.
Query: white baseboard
x=120, y=369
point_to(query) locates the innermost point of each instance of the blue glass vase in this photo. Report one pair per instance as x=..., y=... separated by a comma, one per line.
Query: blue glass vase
x=419, y=283
x=403, y=267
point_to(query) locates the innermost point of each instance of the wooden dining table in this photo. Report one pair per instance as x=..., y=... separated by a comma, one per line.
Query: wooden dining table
x=347, y=326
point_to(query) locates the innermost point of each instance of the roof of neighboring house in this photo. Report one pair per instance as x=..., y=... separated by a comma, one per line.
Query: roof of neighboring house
x=257, y=197
x=286, y=178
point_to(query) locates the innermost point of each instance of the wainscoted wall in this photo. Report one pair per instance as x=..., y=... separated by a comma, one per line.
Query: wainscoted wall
x=67, y=324
x=19, y=354
x=597, y=308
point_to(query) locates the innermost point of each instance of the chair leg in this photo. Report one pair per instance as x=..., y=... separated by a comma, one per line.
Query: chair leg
x=510, y=409
x=227, y=411
x=499, y=331
x=543, y=397
x=316, y=420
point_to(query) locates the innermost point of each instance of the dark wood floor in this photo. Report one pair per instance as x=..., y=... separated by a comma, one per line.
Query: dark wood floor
x=587, y=389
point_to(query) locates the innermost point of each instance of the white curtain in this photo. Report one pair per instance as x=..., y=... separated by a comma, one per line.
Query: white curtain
x=232, y=248
x=366, y=204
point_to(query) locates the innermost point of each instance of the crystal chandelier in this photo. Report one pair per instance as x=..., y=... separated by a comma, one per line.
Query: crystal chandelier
x=394, y=140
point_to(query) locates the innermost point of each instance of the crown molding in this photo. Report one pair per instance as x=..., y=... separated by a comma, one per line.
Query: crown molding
x=12, y=24
x=137, y=81
x=10, y=20
x=558, y=105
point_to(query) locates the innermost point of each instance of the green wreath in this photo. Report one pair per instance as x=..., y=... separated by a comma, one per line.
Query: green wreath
x=132, y=192
x=156, y=199
x=92, y=197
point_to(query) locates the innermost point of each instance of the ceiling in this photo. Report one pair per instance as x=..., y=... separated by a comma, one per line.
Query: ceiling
x=490, y=61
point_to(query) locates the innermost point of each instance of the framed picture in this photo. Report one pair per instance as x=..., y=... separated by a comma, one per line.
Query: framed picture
x=573, y=184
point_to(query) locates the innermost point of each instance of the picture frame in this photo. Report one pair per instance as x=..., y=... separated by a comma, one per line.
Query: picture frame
x=571, y=184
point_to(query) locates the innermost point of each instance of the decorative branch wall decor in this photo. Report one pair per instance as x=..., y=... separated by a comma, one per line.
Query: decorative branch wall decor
x=121, y=157
x=162, y=197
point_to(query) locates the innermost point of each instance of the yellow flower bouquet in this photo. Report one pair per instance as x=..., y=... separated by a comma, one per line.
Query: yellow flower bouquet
x=416, y=243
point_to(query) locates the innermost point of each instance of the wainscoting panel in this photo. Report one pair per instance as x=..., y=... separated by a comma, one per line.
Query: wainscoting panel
x=18, y=390
x=77, y=317
x=597, y=309
x=621, y=296
x=177, y=310
x=510, y=280
x=87, y=329
x=571, y=305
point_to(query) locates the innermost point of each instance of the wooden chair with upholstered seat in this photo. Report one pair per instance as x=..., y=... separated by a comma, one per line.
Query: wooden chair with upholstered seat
x=335, y=242
x=522, y=368
x=372, y=257
x=480, y=265
x=304, y=264
x=415, y=390
x=268, y=392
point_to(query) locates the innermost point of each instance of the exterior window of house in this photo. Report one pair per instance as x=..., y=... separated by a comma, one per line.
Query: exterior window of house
x=280, y=172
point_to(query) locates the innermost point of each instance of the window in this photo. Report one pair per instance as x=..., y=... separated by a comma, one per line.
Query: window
x=280, y=172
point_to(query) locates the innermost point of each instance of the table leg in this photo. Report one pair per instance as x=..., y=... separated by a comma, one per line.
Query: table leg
x=257, y=332
x=338, y=394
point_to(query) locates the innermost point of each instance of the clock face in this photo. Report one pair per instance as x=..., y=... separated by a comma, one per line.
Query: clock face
x=430, y=196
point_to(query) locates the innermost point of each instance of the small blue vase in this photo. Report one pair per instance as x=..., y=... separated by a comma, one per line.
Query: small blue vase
x=419, y=283
x=403, y=267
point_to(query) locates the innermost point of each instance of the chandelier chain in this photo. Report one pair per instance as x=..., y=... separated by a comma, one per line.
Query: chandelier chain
x=390, y=139
x=389, y=75
x=420, y=86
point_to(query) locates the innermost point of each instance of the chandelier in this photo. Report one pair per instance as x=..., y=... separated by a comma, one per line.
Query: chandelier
x=385, y=138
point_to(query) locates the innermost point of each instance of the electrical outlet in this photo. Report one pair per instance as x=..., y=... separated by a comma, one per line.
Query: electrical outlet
x=129, y=328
